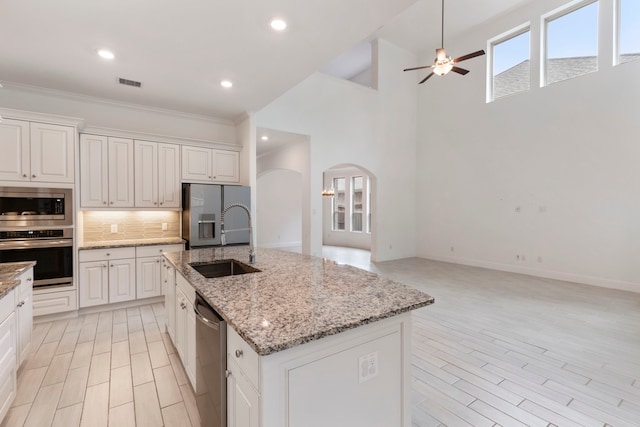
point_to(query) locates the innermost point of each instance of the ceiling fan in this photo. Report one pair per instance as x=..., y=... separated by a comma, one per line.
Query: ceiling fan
x=443, y=63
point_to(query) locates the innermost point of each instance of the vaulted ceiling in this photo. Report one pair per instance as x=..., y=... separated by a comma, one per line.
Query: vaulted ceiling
x=180, y=51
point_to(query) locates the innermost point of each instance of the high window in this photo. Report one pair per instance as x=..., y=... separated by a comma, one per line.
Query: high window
x=510, y=63
x=628, y=30
x=339, y=204
x=571, y=41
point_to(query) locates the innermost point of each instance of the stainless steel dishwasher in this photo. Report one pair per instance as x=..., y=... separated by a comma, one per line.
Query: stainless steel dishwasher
x=211, y=365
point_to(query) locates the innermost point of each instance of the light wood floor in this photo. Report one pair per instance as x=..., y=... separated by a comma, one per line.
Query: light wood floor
x=495, y=349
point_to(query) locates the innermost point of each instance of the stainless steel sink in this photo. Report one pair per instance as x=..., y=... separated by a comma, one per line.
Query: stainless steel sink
x=223, y=268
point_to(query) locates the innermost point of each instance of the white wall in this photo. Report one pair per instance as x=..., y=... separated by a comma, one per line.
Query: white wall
x=108, y=114
x=376, y=130
x=294, y=157
x=565, y=155
x=279, y=208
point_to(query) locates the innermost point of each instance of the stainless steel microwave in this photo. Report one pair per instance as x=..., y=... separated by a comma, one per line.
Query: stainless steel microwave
x=22, y=208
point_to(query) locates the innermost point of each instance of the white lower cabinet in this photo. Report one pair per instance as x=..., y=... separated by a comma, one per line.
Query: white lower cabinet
x=8, y=352
x=149, y=269
x=24, y=315
x=242, y=399
x=185, y=332
x=169, y=291
x=107, y=276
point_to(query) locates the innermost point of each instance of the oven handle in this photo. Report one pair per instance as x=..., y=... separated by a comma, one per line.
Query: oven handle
x=29, y=244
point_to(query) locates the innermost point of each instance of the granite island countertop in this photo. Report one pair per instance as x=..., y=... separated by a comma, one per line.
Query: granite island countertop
x=108, y=244
x=9, y=271
x=295, y=298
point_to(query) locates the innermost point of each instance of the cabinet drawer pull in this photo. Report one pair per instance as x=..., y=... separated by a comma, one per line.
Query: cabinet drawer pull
x=30, y=279
x=183, y=305
x=239, y=353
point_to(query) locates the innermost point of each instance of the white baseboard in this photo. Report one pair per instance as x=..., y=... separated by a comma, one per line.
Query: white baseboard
x=602, y=282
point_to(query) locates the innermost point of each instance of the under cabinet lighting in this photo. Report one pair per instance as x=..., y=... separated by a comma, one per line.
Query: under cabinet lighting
x=226, y=84
x=264, y=138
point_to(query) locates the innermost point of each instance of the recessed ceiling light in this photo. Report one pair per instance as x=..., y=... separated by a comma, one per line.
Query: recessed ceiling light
x=278, y=24
x=264, y=138
x=106, y=54
x=226, y=83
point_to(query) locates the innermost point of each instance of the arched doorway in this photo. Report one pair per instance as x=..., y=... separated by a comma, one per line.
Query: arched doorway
x=348, y=214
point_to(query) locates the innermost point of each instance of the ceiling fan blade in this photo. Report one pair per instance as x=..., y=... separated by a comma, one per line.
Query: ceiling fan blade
x=459, y=70
x=426, y=78
x=469, y=56
x=418, y=68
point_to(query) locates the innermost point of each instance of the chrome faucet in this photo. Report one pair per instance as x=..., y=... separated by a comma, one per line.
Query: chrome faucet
x=223, y=238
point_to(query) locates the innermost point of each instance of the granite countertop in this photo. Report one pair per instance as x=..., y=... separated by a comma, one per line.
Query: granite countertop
x=295, y=298
x=9, y=271
x=107, y=244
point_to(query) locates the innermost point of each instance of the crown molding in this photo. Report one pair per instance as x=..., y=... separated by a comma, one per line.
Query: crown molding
x=104, y=101
x=121, y=133
x=9, y=113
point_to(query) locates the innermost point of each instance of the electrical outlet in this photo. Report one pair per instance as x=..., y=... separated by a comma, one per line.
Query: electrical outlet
x=114, y=228
x=367, y=367
x=164, y=226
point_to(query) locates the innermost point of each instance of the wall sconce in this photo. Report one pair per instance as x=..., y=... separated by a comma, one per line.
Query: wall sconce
x=328, y=192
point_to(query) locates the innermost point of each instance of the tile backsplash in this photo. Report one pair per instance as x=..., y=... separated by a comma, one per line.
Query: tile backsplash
x=97, y=225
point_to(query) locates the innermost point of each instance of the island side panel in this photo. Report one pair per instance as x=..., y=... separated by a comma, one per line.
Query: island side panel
x=325, y=374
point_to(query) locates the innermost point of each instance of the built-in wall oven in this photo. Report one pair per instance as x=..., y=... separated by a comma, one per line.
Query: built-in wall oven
x=36, y=224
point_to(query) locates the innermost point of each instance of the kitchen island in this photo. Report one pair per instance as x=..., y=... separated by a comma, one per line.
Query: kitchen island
x=310, y=342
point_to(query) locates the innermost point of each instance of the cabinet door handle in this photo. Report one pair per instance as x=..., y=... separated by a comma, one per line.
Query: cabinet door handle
x=160, y=203
x=239, y=353
x=183, y=305
x=21, y=303
x=29, y=279
x=108, y=254
x=33, y=176
x=24, y=175
x=111, y=265
x=158, y=261
x=104, y=265
x=104, y=203
x=227, y=373
x=111, y=202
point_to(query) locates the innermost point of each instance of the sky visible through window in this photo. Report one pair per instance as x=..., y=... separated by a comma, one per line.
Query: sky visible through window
x=629, y=26
x=573, y=35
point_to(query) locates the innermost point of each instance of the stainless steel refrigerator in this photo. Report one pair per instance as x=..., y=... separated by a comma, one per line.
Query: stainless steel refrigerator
x=202, y=210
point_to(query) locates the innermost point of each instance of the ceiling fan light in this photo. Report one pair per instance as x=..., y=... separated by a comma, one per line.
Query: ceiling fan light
x=443, y=68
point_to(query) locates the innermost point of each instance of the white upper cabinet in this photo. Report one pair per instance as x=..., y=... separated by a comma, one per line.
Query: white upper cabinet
x=157, y=175
x=146, y=174
x=94, y=171
x=210, y=165
x=169, y=188
x=120, y=173
x=226, y=166
x=52, y=153
x=36, y=152
x=14, y=141
x=106, y=172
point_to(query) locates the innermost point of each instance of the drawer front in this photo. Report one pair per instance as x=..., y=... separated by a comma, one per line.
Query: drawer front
x=87, y=255
x=186, y=288
x=7, y=304
x=247, y=359
x=156, y=250
x=55, y=302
